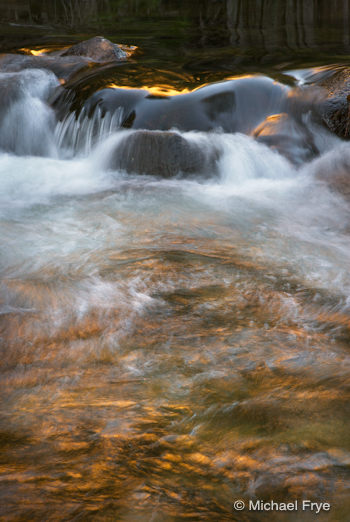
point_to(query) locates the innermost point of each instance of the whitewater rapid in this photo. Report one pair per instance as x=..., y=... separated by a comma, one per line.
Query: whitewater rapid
x=281, y=210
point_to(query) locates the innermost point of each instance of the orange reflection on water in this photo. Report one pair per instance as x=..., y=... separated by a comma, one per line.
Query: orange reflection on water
x=156, y=90
x=34, y=52
x=164, y=89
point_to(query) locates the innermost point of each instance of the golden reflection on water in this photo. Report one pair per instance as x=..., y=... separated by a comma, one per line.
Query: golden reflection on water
x=156, y=90
x=34, y=52
x=162, y=88
x=225, y=385
x=128, y=49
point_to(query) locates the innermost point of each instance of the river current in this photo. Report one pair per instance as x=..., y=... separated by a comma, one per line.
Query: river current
x=169, y=345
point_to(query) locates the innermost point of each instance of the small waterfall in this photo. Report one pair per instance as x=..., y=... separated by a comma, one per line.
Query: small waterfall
x=79, y=134
x=27, y=123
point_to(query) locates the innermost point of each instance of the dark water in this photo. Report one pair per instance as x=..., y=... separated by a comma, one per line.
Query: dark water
x=202, y=35
x=171, y=346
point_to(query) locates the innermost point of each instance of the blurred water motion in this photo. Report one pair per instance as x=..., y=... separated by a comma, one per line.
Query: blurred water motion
x=156, y=364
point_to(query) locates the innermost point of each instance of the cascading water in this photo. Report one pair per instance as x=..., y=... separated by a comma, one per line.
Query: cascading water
x=80, y=133
x=169, y=345
x=27, y=122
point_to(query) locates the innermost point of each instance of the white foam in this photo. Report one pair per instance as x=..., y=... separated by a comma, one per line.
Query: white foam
x=25, y=181
x=27, y=122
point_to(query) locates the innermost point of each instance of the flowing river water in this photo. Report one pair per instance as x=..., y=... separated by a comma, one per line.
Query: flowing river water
x=169, y=345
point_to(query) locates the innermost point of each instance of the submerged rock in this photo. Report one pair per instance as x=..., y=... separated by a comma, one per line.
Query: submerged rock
x=98, y=49
x=65, y=64
x=232, y=106
x=283, y=134
x=164, y=154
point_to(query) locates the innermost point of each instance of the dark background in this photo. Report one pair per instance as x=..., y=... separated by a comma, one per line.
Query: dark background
x=230, y=31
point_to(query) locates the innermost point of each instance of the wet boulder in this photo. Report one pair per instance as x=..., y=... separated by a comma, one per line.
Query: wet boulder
x=237, y=105
x=67, y=63
x=336, y=115
x=98, y=49
x=336, y=108
x=164, y=154
x=282, y=133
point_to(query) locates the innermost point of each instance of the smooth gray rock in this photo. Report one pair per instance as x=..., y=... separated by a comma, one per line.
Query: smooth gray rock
x=65, y=64
x=231, y=106
x=98, y=49
x=164, y=154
